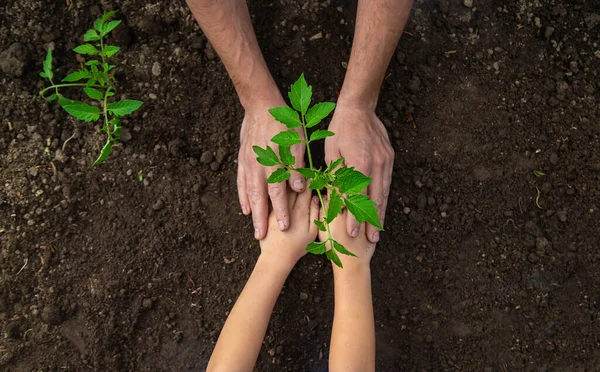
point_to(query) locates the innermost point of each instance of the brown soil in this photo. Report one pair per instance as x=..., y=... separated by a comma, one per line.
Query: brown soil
x=100, y=271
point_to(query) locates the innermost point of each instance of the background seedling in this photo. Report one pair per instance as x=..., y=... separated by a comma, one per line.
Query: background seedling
x=97, y=80
x=343, y=184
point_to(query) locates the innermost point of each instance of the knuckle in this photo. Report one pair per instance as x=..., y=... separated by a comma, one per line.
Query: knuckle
x=275, y=191
x=255, y=196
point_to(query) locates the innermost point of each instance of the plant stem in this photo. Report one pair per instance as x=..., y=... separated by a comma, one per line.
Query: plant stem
x=68, y=85
x=105, y=109
x=310, y=162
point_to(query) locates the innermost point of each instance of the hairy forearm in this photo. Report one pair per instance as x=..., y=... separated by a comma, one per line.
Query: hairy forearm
x=379, y=25
x=227, y=25
x=242, y=335
x=353, y=332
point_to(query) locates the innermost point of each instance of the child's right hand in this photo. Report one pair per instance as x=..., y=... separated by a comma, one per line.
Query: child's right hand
x=360, y=246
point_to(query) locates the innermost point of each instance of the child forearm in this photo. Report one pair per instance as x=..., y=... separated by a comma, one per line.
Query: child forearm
x=353, y=334
x=242, y=335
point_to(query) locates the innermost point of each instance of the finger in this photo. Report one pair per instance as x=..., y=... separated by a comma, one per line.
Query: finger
x=242, y=193
x=259, y=203
x=297, y=182
x=376, y=193
x=278, y=196
x=303, y=201
x=313, y=215
x=292, y=198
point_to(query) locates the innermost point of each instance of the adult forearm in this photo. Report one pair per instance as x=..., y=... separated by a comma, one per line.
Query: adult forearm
x=227, y=25
x=242, y=335
x=353, y=331
x=379, y=25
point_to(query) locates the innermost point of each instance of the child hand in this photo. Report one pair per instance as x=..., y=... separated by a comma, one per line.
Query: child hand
x=360, y=246
x=287, y=247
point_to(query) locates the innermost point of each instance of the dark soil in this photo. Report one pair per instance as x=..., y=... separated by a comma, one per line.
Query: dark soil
x=102, y=271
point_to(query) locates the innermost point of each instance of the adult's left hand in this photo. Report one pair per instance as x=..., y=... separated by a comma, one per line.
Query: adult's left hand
x=362, y=140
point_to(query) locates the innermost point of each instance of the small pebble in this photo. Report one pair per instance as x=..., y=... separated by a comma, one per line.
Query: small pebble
x=207, y=157
x=214, y=166
x=406, y=210
x=468, y=3
x=152, y=96
x=156, y=69
x=303, y=296
x=158, y=205
x=147, y=303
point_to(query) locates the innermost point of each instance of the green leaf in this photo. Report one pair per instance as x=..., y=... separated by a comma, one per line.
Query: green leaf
x=109, y=50
x=320, y=134
x=363, y=209
x=318, y=112
x=106, y=150
x=320, y=225
x=286, y=155
x=88, y=49
x=93, y=62
x=266, y=157
x=109, y=27
x=110, y=67
x=286, y=115
x=307, y=173
x=47, y=65
x=80, y=110
x=335, y=206
x=334, y=164
x=107, y=15
x=116, y=123
x=77, y=75
x=51, y=97
x=91, y=35
x=287, y=138
x=334, y=258
x=124, y=107
x=93, y=93
x=300, y=94
x=318, y=182
x=351, y=181
x=280, y=175
x=340, y=248
x=316, y=247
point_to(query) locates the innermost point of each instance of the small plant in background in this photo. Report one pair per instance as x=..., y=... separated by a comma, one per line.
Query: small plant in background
x=98, y=83
x=344, y=184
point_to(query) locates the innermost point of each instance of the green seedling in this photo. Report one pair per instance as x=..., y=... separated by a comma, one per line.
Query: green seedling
x=538, y=173
x=97, y=80
x=343, y=184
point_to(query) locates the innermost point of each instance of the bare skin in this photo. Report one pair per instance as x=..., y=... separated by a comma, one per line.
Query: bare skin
x=360, y=136
x=242, y=335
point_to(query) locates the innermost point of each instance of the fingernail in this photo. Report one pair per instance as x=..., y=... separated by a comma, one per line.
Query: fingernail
x=299, y=184
x=355, y=232
x=256, y=233
x=316, y=200
x=375, y=237
x=244, y=209
x=281, y=225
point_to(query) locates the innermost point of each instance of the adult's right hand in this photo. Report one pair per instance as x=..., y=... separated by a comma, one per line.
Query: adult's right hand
x=258, y=128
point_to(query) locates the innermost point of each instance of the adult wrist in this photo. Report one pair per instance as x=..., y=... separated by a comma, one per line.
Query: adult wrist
x=259, y=93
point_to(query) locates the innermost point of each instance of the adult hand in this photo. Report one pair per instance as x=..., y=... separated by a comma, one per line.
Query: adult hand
x=258, y=128
x=361, y=139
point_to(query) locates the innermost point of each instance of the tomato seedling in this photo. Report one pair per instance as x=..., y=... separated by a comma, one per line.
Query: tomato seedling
x=99, y=85
x=343, y=184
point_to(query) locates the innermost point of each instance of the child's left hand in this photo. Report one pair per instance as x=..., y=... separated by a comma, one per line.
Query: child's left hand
x=287, y=247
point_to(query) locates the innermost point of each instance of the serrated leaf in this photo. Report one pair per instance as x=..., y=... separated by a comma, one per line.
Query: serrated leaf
x=334, y=164
x=318, y=182
x=47, y=66
x=110, y=50
x=43, y=74
x=340, y=248
x=334, y=258
x=80, y=110
x=307, y=173
x=124, y=107
x=92, y=62
x=77, y=75
x=363, y=209
x=316, y=247
x=93, y=93
x=287, y=138
x=109, y=27
x=320, y=134
x=335, y=206
x=106, y=150
x=88, y=49
x=286, y=155
x=266, y=157
x=351, y=181
x=286, y=115
x=110, y=67
x=280, y=175
x=320, y=225
x=107, y=15
x=91, y=35
x=318, y=112
x=300, y=95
